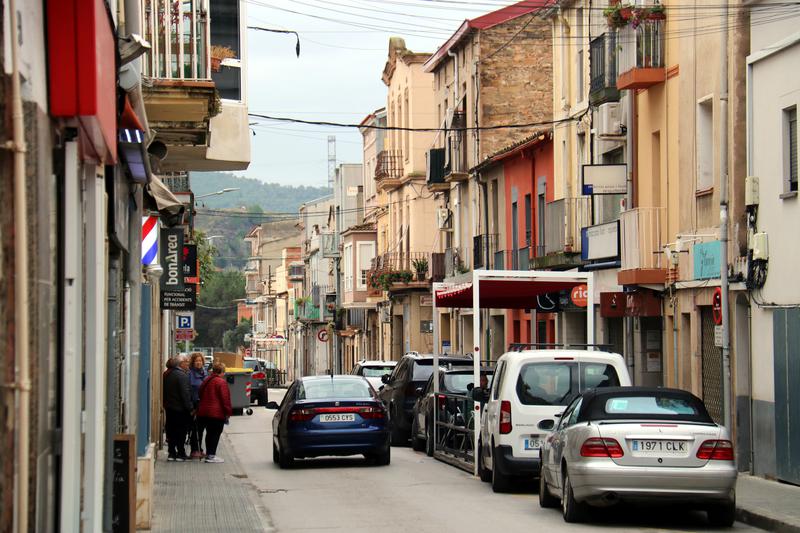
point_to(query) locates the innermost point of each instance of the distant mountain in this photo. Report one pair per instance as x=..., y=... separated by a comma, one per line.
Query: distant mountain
x=269, y=196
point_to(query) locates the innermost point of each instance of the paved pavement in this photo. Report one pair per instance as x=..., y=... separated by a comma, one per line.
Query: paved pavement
x=768, y=504
x=414, y=493
x=198, y=497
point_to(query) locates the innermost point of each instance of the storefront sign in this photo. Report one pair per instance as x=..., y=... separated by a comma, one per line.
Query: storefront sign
x=707, y=260
x=183, y=300
x=600, y=242
x=612, y=304
x=605, y=179
x=548, y=303
x=716, y=305
x=579, y=295
x=190, y=264
x=172, y=259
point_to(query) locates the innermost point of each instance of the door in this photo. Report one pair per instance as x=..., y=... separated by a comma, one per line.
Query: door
x=711, y=365
x=786, y=349
x=514, y=236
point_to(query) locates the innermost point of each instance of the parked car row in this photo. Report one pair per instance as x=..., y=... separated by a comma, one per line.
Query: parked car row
x=567, y=418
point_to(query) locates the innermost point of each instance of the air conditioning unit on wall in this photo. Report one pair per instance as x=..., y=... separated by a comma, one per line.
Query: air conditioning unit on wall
x=609, y=120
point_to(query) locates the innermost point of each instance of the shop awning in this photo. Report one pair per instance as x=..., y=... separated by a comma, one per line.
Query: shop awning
x=165, y=202
x=502, y=293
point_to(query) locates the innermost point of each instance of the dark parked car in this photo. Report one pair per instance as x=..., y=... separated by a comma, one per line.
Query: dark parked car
x=404, y=385
x=258, y=380
x=458, y=380
x=330, y=415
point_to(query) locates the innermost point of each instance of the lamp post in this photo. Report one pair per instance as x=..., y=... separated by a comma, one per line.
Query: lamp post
x=217, y=193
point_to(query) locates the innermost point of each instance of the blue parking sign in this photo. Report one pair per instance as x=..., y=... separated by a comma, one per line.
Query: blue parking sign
x=183, y=321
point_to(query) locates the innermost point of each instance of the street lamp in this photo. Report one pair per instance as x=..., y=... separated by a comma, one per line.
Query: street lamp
x=217, y=193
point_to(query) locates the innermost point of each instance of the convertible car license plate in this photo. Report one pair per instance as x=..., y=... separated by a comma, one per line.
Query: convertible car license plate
x=534, y=442
x=660, y=447
x=337, y=417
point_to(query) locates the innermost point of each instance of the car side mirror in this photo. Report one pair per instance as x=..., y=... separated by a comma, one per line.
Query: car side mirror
x=273, y=405
x=385, y=378
x=418, y=390
x=470, y=386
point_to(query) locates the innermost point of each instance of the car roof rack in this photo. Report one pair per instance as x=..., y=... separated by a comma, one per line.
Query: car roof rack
x=519, y=346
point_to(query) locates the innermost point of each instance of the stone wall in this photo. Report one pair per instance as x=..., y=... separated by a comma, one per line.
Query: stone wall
x=516, y=79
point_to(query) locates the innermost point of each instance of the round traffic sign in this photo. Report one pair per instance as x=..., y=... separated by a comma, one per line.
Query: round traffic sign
x=322, y=335
x=716, y=305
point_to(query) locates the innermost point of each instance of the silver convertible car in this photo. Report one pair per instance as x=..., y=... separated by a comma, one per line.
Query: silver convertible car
x=638, y=444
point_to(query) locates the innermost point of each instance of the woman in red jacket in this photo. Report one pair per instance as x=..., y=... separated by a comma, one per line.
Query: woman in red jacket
x=214, y=409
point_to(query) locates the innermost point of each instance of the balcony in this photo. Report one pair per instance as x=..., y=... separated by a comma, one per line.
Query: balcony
x=456, y=168
x=564, y=219
x=396, y=271
x=641, y=254
x=436, y=170
x=640, y=60
x=389, y=169
x=519, y=259
x=182, y=98
x=483, y=249
x=453, y=264
x=603, y=81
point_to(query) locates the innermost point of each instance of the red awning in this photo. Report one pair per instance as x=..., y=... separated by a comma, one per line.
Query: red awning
x=502, y=294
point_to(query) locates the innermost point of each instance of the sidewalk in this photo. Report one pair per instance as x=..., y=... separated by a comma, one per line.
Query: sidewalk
x=196, y=496
x=768, y=504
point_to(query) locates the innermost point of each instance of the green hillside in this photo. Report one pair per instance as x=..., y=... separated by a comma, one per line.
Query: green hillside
x=268, y=196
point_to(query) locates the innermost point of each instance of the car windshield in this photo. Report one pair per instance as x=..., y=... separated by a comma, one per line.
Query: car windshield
x=250, y=364
x=652, y=405
x=546, y=383
x=375, y=371
x=458, y=382
x=327, y=389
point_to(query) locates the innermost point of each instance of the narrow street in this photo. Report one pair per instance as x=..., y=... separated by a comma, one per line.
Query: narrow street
x=415, y=493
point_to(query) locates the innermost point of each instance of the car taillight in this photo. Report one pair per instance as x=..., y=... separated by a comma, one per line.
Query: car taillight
x=301, y=415
x=599, y=447
x=442, y=401
x=258, y=375
x=505, y=417
x=372, y=413
x=718, y=450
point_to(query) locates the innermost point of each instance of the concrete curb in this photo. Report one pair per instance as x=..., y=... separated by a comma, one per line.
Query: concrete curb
x=769, y=523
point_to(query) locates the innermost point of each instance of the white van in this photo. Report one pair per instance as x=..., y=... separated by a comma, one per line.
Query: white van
x=530, y=388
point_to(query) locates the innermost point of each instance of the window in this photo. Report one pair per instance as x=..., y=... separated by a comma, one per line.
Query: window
x=704, y=144
x=501, y=370
x=595, y=375
x=573, y=414
x=225, y=23
x=348, y=267
x=790, y=148
x=366, y=253
x=323, y=389
x=651, y=405
x=528, y=219
x=546, y=383
x=579, y=60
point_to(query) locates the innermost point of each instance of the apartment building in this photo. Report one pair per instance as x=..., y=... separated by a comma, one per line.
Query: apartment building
x=494, y=70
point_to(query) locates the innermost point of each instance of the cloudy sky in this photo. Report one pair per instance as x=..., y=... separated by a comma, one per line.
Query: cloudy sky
x=337, y=76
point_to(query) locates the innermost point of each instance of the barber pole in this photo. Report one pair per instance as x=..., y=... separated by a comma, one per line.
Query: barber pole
x=149, y=240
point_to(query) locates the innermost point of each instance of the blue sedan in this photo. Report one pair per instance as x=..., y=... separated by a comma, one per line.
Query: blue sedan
x=330, y=415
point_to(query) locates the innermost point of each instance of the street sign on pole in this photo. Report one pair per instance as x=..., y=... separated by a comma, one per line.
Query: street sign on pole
x=184, y=334
x=184, y=320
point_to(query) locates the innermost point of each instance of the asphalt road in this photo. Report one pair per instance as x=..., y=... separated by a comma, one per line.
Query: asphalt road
x=413, y=494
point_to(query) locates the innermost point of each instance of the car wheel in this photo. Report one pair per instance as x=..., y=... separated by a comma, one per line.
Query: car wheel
x=285, y=460
x=484, y=473
x=262, y=401
x=275, y=455
x=430, y=443
x=573, y=511
x=546, y=500
x=384, y=457
x=417, y=444
x=500, y=481
x=722, y=515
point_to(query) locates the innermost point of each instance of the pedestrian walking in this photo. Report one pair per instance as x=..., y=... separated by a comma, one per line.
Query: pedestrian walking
x=215, y=409
x=197, y=375
x=178, y=407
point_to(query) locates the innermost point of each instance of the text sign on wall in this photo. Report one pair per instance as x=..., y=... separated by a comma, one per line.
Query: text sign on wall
x=707, y=260
x=605, y=179
x=600, y=242
x=182, y=300
x=171, y=250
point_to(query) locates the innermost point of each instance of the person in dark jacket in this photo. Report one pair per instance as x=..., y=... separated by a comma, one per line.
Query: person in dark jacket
x=178, y=407
x=197, y=374
x=215, y=409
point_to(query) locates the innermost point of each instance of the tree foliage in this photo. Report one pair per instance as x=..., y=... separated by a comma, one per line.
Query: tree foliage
x=216, y=309
x=234, y=338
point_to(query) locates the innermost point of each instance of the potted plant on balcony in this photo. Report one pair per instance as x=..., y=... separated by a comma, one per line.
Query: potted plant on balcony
x=421, y=267
x=619, y=15
x=218, y=54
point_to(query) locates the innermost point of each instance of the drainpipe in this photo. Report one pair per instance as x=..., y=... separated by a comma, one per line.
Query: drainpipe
x=723, y=221
x=629, y=205
x=22, y=386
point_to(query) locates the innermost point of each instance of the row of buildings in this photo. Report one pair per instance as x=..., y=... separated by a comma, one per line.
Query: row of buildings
x=652, y=144
x=105, y=105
